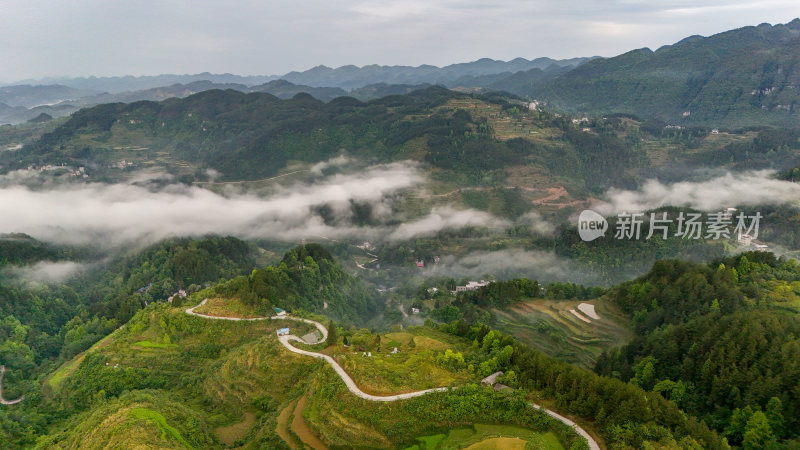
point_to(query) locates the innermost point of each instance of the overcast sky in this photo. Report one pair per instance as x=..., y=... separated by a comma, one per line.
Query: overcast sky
x=41, y=38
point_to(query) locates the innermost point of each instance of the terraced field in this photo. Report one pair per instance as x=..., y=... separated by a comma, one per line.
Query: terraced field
x=549, y=326
x=486, y=437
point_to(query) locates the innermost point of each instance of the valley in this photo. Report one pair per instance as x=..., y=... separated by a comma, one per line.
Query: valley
x=576, y=253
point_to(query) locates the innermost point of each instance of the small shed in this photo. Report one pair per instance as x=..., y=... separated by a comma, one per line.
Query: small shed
x=283, y=332
x=280, y=312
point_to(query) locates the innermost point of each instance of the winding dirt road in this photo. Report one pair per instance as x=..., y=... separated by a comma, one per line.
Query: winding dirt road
x=351, y=385
x=285, y=340
x=3, y=401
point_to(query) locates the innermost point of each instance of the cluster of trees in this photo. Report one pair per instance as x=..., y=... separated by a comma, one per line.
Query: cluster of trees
x=21, y=249
x=502, y=293
x=402, y=422
x=616, y=260
x=721, y=341
x=307, y=278
x=472, y=305
x=625, y=414
x=161, y=270
x=772, y=148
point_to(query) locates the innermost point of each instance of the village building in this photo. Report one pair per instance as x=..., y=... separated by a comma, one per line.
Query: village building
x=283, y=332
x=280, y=312
x=472, y=285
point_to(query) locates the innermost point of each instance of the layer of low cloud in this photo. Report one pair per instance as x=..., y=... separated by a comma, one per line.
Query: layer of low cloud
x=140, y=212
x=338, y=161
x=729, y=190
x=46, y=272
x=446, y=218
x=537, y=223
x=511, y=263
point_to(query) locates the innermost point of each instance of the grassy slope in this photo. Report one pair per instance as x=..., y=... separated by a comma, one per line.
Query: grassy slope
x=412, y=368
x=219, y=370
x=215, y=383
x=485, y=437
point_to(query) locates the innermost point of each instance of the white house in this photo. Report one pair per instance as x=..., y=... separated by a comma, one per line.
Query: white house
x=745, y=239
x=472, y=285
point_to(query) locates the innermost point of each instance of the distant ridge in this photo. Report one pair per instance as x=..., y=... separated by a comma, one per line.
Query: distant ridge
x=743, y=77
x=348, y=76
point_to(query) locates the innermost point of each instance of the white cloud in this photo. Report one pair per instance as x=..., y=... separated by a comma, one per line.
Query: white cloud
x=729, y=190
x=445, y=218
x=511, y=263
x=46, y=272
x=125, y=213
x=338, y=161
x=131, y=213
x=537, y=223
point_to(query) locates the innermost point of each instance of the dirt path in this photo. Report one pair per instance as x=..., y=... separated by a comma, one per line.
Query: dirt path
x=3, y=401
x=351, y=385
x=217, y=183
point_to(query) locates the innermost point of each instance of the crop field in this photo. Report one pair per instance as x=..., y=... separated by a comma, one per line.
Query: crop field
x=489, y=437
x=227, y=307
x=548, y=326
x=412, y=368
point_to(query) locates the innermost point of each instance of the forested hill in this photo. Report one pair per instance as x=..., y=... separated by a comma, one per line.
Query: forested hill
x=476, y=139
x=253, y=136
x=721, y=340
x=743, y=77
x=307, y=278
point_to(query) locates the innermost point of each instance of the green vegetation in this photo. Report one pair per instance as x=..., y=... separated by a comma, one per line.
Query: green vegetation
x=43, y=327
x=549, y=327
x=482, y=436
x=490, y=141
x=738, y=78
x=144, y=418
x=624, y=414
x=214, y=370
x=435, y=360
x=159, y=421
x=720, y=340
x=307, y=278
x=343, y=419
x=227, y=307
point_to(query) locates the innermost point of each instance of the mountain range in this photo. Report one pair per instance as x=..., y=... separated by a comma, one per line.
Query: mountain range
x=738, y=78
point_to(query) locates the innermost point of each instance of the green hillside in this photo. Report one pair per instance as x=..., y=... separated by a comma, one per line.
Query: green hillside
x=739, y=78
x=720, y=340
x=171, y=380
x=515, y=156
